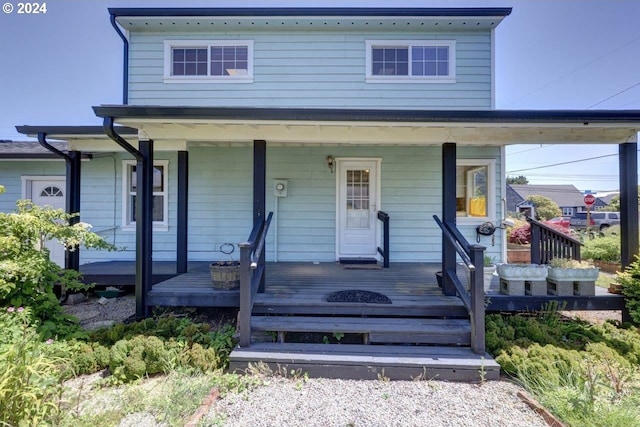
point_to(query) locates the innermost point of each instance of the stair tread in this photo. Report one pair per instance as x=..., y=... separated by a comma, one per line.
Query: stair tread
x=359, y=324
x=358, y=354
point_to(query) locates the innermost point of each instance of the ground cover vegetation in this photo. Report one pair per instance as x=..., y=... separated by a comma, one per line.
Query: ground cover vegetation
x=586, y=374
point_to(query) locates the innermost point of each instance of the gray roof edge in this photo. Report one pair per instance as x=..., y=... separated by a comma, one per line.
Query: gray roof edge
x=312, y=12
x=307, y=114
x=72, y=130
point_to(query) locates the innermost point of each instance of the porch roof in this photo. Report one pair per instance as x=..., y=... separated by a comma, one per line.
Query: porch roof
x=186, y=124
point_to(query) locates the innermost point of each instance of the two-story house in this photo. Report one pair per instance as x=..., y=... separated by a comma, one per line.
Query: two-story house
x=332, y=119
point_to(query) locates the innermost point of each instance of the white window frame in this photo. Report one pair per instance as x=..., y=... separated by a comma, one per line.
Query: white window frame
x=208, y=44
x=157, y=225
x=568, y=211
x=490, y=164
x=370, y=44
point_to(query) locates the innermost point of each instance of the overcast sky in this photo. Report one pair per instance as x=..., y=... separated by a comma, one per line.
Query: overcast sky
x=550, y=54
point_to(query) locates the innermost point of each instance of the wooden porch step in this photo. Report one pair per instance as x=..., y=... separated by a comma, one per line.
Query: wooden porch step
x=369, y=361
x=377, y=329
x=311, y=304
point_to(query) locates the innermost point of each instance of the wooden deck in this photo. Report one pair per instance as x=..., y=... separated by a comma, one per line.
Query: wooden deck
x=411, y=288
x=405, y=282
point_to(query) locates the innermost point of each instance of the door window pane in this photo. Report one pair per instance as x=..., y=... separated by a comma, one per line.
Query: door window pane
x=357, y=200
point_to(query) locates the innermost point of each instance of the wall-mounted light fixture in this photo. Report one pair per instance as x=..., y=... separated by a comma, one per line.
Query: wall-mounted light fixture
x=331, y=161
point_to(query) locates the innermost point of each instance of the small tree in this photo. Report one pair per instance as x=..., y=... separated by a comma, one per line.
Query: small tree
x=27, y=275
x=521, y=179
x=545, y=207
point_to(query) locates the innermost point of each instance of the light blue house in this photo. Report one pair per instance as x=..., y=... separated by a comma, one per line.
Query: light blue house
x=324, y=117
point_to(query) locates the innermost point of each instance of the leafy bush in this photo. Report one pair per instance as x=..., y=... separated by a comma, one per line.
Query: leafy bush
x=520, y=235
x=30, y=379
x=587, y=375
x=630, y=281
x=28, y=276
x=605, y=248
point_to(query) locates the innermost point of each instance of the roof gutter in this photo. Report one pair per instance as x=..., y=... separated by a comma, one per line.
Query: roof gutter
x=109, y=130
x=125, y=62
x=42, y=139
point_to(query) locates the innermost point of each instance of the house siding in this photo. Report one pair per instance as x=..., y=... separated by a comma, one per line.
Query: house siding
x=220, y=202
x=221, y=207
x=11, y=173
x=312, y=69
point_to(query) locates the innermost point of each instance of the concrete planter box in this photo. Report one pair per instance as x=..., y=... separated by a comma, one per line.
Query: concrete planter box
x=561, y=274
x=522, y=271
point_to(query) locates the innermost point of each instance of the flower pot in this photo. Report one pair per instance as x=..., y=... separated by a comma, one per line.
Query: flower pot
x=488, y=276
x=562, y=274
x=517, y=254
x=225, y=275
x=608, y=267
x=530, y=272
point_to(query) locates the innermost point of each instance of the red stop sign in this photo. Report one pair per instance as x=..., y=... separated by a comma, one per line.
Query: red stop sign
x=589, y=199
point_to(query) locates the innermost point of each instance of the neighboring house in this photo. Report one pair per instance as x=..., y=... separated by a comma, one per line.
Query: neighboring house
x=323, y=116
x=602, y=202
x=567, y=197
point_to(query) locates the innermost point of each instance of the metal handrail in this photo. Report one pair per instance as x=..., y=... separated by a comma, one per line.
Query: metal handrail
x=384, y=251
x=252, y=272
x=473, y=257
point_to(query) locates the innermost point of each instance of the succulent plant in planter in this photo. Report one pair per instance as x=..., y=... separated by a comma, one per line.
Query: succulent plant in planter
x=225, y=275
x=564, y=269
x=522, y=271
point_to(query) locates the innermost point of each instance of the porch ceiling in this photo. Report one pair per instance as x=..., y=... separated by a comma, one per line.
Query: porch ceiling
x=215, y=125
x=213, y=132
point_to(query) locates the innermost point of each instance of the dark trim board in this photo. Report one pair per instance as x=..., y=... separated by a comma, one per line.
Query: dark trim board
x=311, y=12
x=582, y=118
x=350, y=361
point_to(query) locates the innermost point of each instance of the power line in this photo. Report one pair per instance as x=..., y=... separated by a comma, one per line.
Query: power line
x=614, y=95
x=575, y=70
x=563, y=163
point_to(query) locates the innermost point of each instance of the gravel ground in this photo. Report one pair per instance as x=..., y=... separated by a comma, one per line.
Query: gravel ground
x=324, y=402
x=93, y=314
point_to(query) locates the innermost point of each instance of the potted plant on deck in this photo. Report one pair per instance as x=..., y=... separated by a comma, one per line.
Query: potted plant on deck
x=225, y=275
x=570, y=270
x=530, y=272
x=489, y=269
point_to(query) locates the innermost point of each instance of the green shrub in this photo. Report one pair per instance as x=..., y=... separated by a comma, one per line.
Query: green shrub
x=630, y=281
x=605, y=248
x=139, y=356
x=30, y=379
x=28, y=276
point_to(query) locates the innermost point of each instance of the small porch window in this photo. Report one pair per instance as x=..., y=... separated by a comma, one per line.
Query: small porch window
x=475, y=188
x=160, y=194
x=567, y=211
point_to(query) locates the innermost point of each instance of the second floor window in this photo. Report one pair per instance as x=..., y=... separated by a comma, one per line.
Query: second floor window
x=208, y=61
x=410, y=61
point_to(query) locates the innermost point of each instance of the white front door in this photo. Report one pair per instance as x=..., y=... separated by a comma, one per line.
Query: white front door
x=357, y=206
x=50, y=193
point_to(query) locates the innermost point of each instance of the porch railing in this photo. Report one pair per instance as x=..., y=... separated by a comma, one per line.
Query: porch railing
x=473, y=257
x=384, y=251
x=252, y=271
x=548, y=243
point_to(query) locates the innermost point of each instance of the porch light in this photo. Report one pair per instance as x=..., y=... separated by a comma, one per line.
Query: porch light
x=330, y=162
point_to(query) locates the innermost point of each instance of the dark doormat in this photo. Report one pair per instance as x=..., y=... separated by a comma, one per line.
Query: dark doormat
x=356, y=295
